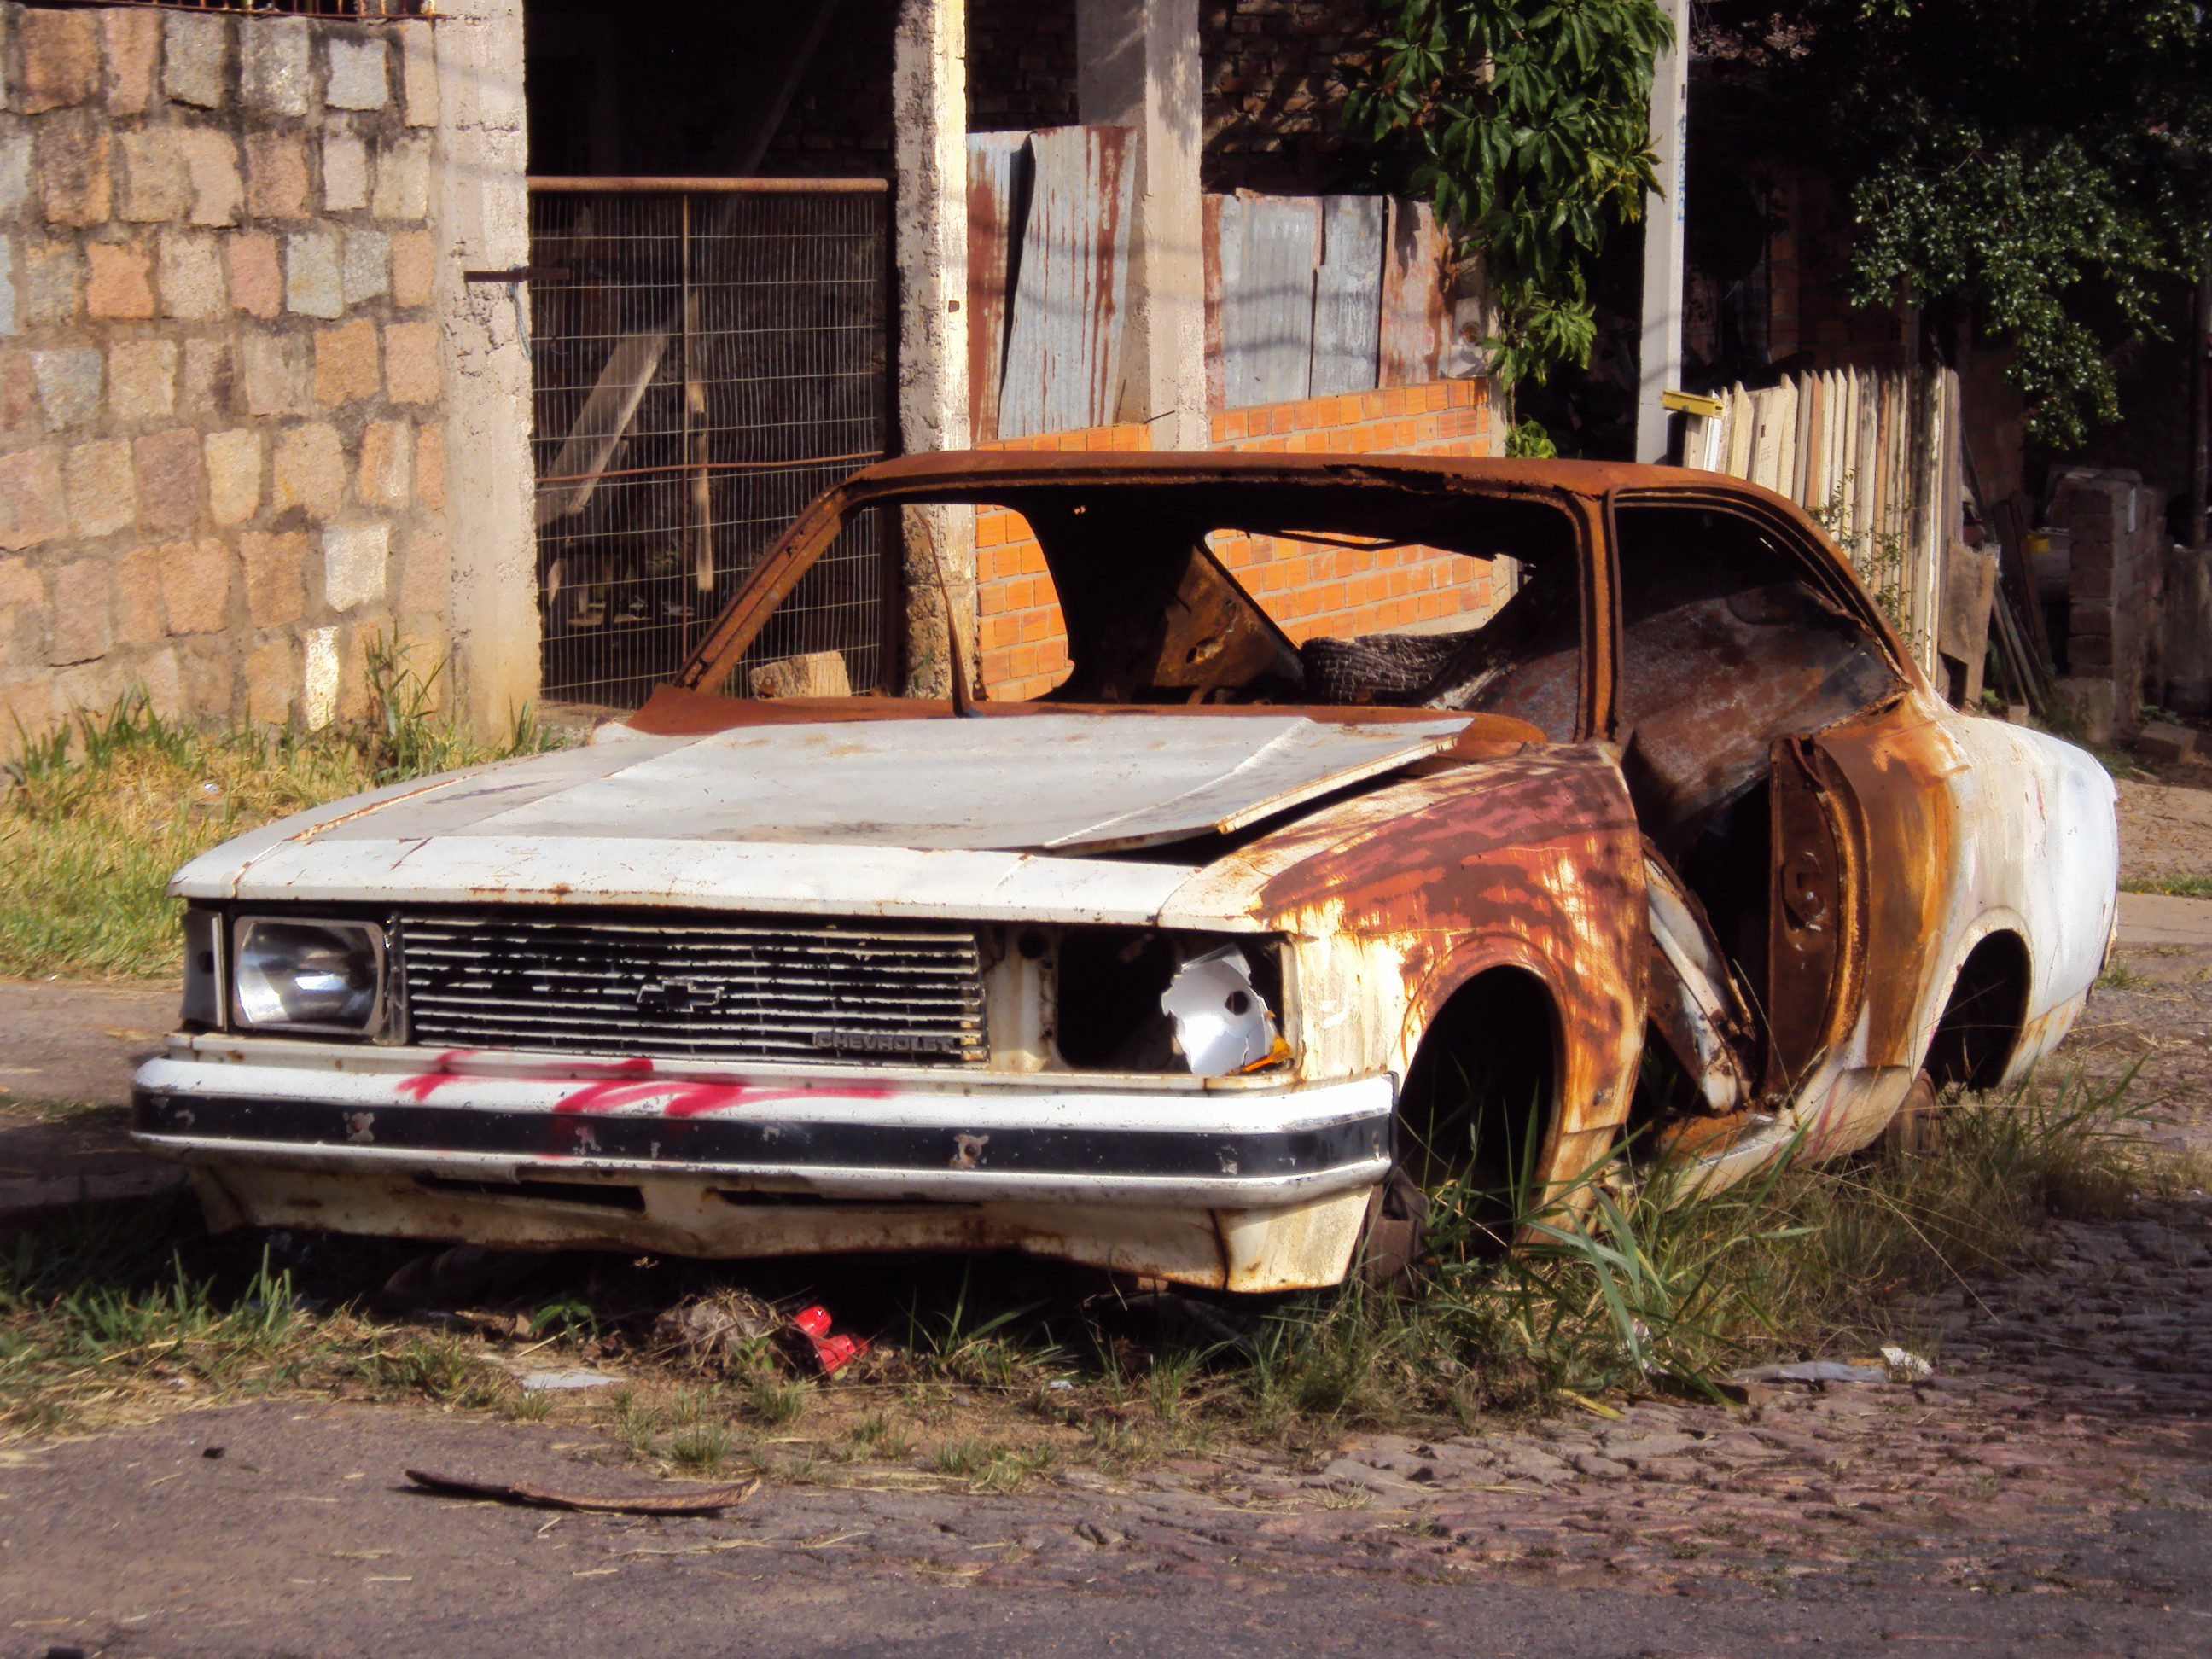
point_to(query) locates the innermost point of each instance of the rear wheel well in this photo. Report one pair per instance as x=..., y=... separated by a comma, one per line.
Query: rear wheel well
x=1980, y=1028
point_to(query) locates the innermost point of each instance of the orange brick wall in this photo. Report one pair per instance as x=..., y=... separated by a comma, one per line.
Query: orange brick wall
x=1309, y=588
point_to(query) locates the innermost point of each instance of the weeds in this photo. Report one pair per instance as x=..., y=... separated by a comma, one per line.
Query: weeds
x=439, y=1368
x=779, y=1400
x=702, y=1446
x=99, y=813
x=877, y=1434
x=1661, y=1287
x=2195, y=887
x=987, y=1468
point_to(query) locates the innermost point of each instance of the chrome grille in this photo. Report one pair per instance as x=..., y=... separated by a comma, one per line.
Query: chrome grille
x=741, y=989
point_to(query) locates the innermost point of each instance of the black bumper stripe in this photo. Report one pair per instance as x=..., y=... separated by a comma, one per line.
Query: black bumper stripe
x=740, y=1145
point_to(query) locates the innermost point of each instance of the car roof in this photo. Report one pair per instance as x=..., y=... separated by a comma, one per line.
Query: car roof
x=1007, y=464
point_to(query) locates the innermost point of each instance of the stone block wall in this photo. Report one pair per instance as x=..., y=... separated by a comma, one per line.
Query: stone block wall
x=221, y=461
x=2113, y=588
x=1309, y=588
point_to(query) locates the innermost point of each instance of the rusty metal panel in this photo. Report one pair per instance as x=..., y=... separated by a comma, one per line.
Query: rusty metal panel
x=998, y=193
x=1347, y=323
x=1063, y=368
x=1270, y=249
x=1416, y=310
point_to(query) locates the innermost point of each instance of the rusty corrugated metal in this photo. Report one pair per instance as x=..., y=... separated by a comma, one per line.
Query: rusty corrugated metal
x=1416, y=324
x=1347, y=307
x=1270, y=248
x=997, y=192
x=1063, y=367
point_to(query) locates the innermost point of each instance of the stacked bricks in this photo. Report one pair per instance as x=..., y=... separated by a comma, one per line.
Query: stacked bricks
x=2119, y=543
x=1021, y=64
x=222, y=467
x=1310, y=588
x=1275, y=81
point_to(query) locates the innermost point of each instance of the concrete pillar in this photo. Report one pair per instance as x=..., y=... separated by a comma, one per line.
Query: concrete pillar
x=1137, y=65
x=482, y=219
x=1664, y=240
x=929, y=102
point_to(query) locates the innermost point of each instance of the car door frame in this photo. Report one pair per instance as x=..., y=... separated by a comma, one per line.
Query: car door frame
x=1846, y=768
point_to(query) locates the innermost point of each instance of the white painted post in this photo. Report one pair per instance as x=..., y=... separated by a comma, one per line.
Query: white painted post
x=1137, y=66
x=929, y=105
x=482, y=217
x=1660, y=359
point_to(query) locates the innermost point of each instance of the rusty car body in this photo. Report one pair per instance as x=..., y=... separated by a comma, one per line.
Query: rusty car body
x=1200, y=966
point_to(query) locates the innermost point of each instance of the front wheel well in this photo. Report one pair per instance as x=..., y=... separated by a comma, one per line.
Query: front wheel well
x=1981, y=1023
x=1479, y=1096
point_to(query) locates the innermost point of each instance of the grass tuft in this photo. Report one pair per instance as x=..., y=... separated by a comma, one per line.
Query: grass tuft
x=98, y=814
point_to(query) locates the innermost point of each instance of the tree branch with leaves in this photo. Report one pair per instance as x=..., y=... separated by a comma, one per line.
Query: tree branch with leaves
x=1526, y=123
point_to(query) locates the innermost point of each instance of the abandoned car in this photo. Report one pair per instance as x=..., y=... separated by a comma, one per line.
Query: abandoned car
x=1202, y=964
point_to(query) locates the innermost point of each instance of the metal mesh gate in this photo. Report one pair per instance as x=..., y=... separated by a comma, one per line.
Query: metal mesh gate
x=709, y=355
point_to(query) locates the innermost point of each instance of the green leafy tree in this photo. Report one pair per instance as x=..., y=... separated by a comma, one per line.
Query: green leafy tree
x=2042, y=163
x=1526, y=123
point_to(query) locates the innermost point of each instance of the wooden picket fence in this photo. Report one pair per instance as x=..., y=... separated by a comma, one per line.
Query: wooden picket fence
x=1873, y=454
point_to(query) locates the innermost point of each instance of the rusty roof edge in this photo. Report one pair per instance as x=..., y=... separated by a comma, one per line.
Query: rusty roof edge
x=999, y=467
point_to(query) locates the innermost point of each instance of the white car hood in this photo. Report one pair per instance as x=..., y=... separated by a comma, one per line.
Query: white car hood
x=1002, y=816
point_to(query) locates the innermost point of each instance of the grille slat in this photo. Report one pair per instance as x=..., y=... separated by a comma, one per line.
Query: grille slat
x=741, y=990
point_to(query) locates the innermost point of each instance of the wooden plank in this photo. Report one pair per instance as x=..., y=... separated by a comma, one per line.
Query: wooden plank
x=1347, y=320
x=1063, y=367
x=1270, y=246
x=1869, y=457
x=1774, y=445
x=1743, y=432
x=1847, y=449
x=1806, y=439
x=997, y=188
x=1416, y=308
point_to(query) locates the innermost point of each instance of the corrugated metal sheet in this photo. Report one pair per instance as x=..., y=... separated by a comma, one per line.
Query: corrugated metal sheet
x=1063, y=367
x=1347, y=303
x=998, y=193
x=1270, y=249
x=1416, y=324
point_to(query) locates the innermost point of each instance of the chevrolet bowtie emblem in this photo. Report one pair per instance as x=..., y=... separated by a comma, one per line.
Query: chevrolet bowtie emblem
x=677, y=996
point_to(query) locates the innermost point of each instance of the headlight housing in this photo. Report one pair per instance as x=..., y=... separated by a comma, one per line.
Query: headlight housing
x=1132, y=1000
x=292, y=973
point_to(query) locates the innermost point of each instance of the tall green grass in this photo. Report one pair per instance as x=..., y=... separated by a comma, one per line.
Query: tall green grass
x=1631, y=1279
x=99, y=813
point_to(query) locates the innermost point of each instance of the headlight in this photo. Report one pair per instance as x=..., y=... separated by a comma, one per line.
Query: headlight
x=307, y=976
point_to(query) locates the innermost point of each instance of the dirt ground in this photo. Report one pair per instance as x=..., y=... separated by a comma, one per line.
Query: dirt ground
x=2049, y=1484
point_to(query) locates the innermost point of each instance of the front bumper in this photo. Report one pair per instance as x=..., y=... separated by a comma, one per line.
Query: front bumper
x=891, y=1135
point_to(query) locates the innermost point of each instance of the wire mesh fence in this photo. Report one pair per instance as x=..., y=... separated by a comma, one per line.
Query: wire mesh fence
x=709, y=355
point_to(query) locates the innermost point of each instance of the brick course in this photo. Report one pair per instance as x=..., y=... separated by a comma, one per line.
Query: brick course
x=216, y=357
x=1308, y=589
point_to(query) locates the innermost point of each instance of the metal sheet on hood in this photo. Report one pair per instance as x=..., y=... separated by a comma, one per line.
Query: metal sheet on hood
x=1063, y=783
